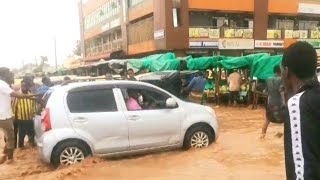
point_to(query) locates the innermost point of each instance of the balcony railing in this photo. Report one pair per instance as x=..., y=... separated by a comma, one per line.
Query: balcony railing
x=223, y=32
x=292, y=34
x=104, y=48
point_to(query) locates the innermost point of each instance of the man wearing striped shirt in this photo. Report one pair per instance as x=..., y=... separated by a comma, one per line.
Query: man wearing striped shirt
x=24, y=112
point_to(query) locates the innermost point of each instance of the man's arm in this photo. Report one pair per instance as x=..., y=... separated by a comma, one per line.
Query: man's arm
x=282, y=92
x=191, y=84
x=19, y=95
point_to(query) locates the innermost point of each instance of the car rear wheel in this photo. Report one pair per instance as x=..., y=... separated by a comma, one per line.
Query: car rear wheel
x=198, y=137
x=68, y=153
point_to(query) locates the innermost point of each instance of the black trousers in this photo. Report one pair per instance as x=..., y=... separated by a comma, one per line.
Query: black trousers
x=25, y=127
x=233, y=96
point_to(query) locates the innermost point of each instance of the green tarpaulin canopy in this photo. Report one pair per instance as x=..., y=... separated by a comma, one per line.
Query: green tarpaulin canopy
x=157, y=62
x=261, y=65
x=202, y=63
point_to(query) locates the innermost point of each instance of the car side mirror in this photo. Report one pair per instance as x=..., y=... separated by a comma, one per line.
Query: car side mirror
x=171, y=103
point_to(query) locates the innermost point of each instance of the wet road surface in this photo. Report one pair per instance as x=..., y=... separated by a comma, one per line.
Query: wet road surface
x=238, y=154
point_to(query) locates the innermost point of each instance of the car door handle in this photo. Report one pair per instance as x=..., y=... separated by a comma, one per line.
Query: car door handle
x=133, y=117
x=80, y=120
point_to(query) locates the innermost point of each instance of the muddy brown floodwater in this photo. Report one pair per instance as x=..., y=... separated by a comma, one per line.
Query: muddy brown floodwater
x=238, y=154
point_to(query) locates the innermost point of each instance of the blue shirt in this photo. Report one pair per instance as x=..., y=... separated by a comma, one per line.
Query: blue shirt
x=197, y=84
x=42, y=89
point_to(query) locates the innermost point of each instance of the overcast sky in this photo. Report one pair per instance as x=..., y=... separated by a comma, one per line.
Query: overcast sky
x=28, y=28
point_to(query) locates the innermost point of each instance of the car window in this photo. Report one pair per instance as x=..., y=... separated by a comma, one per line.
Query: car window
x=101, y=100
x=144, y=99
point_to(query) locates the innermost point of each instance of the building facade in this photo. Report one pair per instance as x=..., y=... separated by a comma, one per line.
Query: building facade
x=113, y=29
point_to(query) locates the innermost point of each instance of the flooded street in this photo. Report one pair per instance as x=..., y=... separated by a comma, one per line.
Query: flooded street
x=238, y=154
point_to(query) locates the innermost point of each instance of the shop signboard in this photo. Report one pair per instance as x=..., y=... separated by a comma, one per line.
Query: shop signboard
x=274, y=34
x=238, y=33
x=214, y=33
x=203, y=44
x=229, y=33
x=248, y=33
x=204, y=33
x=314, y=34
x=269, y=44
x=303, y=34
x=288, y=34
x=236, y=44
x=194, y=33
x=158, y=34
x=296, y=34
x=308, y=8
x=314, y=42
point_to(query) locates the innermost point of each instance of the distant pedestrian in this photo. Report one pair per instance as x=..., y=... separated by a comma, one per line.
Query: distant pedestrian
x=276, y=101
x=196, y=87
x=131, y=75
x=302, y=125
x=234, y=81
x=46, y=84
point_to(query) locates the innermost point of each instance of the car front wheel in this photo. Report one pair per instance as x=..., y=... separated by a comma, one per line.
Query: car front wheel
x=198, y=137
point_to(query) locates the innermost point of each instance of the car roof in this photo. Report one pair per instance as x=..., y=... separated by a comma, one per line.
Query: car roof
x=97, y=83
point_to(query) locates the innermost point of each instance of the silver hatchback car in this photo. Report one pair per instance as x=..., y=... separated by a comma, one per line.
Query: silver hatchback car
x=118, y=118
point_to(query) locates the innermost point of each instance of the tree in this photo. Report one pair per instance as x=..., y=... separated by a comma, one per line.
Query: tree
x=77, y=49
x=39, y=69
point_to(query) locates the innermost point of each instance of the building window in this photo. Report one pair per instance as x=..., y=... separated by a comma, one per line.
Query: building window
x=106, y=11
x=176, y=13
x=308, y=25
x=134, y=2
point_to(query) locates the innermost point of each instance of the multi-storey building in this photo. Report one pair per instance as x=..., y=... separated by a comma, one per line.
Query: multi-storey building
x=134, y=28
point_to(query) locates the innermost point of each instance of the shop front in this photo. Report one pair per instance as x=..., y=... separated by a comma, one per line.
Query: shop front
x=235, y=47
x=206, y=47
x=273, y=47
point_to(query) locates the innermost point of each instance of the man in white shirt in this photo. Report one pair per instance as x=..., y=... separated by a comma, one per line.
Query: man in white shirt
x=6, y=123
x=234, y=81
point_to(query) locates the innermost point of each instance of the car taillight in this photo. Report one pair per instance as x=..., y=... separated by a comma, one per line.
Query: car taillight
x=46, y=122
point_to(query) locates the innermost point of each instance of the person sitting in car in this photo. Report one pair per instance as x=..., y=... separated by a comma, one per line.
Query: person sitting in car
x=133, y=101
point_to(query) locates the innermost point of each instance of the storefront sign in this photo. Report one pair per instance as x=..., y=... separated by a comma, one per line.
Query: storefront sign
x=204, y=33
x=314, y=42
x=309, y=8
x=229, y=33
x=203, y=44
x=314, y=34
x=158, y=34
x=288, y=34
x=194, y=33
x=248, y=33
x=214, y=33
x=296, y=34
x=236, y=44
x=269, y=44
x=303, y=34
x=274, y=34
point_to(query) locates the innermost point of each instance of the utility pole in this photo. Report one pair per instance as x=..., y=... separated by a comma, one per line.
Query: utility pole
x=55, y=53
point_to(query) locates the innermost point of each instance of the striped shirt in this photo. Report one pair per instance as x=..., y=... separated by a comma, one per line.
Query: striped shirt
x=25, y=109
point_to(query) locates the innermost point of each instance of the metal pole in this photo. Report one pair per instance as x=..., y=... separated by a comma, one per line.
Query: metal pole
x=55, y=53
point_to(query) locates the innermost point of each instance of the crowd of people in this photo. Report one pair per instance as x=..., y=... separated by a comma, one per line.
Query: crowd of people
x=293, y=99
x=18, y=107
